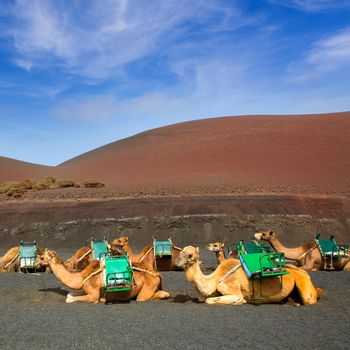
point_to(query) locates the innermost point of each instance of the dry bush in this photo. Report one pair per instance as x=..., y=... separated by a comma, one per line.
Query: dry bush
x=5, y=186
x=48, y=182
x=15, y=189
x=67, y=183
x=28, y=184
x=93, y=184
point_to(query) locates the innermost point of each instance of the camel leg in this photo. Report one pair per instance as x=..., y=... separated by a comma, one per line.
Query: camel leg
x=149, y=289
x=226, y=299
x=347, y=266
x=307, y=291
x=160, y=294
x=92, y=296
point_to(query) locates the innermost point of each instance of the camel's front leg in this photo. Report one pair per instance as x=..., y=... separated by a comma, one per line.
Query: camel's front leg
x=231, y=291
x=160, y=294
x=92, y=296
x=347, y=266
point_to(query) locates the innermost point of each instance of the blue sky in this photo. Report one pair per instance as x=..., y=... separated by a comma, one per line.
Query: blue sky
x=75, y=75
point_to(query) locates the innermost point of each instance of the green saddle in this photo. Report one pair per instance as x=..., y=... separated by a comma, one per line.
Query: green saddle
x=258, y=262
x=163, y=248
x=329, y=247
x=27, y=255
x=118, y=273
x=99, y=248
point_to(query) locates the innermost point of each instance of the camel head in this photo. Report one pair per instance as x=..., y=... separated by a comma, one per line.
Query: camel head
x=215, y=246
x=187, y=257
x=120, y=241
x=265, y=236
x=46, y=256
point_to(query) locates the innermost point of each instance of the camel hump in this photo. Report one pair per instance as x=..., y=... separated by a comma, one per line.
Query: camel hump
x=93, y=266
x=11, y=253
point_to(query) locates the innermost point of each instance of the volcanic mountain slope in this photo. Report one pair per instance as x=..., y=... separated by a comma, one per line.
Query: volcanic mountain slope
x=11, y=169
x=282, y=151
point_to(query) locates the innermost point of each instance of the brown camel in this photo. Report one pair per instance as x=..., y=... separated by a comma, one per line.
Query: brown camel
x=307, y=256
x=145, y=286
x=230, y=280
x=146, y=255
x=10, y=261
x=218, y=248
x=79, y=260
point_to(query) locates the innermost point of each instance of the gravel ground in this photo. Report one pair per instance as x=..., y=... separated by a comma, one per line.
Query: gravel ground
x=34, y=316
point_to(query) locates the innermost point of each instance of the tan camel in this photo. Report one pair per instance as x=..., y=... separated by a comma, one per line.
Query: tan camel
x=218, y=249
x=10, y=261
x=79, y=260
x=145, y=286
x=146, y=255
x=230, y=280
x=307, y=256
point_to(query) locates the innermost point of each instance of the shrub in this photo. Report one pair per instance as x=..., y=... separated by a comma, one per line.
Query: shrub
x=45, y=183
x=16, y=190
x=5, y=186
x=28, y=183
x=67, y=183
x=93, y=184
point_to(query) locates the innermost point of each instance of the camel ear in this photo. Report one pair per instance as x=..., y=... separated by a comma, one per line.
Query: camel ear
x=222, y=244
x=126, y=239
x=197, y=250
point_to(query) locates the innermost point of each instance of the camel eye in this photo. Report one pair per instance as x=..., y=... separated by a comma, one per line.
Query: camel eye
x=190, y=256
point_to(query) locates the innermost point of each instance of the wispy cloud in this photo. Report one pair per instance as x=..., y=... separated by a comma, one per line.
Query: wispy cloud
x=108, y=33
x=314, y=5
x=330, y=54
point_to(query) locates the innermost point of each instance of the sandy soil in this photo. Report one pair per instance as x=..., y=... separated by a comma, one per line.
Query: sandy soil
x=34, y=315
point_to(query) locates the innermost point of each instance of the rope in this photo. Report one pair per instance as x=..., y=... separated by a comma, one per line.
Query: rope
x=91, y=275
x=83, y=256
x=229, y=272
x=12, y=261
x=143, y=270
x=145, y=254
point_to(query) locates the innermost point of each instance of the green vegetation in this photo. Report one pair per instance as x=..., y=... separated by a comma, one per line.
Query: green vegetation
x=92, y=184
x=16, y=189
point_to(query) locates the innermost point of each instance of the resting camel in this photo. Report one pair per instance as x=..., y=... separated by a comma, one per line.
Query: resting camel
x=307, y=256
x=146, y=255
x=218, y=248
x=80, y=260
x=230, y=280
x=145, y=286
x=10, y=262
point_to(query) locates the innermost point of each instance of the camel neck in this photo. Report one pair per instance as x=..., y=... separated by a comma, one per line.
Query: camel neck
x=220, y=256
x=69, y=279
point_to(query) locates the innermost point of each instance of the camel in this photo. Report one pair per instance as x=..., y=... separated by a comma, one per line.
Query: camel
x=218, y=248
x=307, y=256
x=146, y=255
x=10, y=262
x=146, y=284
x=230, y=280
x=79, y=260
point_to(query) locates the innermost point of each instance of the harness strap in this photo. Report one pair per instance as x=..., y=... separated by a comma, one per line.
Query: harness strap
x=12, y=261
x=92, y=274
x=83, y=256
x=229, y=272
x=308, y=251
x=146, y=254
x=144, y=270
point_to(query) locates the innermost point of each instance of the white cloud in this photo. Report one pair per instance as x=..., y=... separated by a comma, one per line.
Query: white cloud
x=314, y=5
x=327, y=55
x=97, y=38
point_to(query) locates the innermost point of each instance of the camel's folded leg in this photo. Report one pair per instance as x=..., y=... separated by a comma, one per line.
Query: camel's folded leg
x=226, y=299
x=347, y=266
x=90, y=298
x=161, y=294
x=304, y=285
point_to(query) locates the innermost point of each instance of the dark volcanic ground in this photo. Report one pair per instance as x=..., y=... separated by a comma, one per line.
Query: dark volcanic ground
x=34, y=316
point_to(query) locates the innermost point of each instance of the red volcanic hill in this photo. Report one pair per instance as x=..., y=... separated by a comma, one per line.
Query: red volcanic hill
x=11, y=169
x=281, y=151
